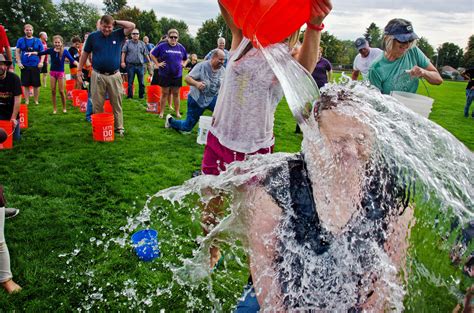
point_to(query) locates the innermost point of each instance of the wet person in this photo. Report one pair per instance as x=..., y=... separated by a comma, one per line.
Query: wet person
x=205, y=80
x=403, y=64
x=10, y=96
x=105, y=45
x=244, y=114
x=362, y=62
x=58, y=57
x=169, y=57
x=30, y=65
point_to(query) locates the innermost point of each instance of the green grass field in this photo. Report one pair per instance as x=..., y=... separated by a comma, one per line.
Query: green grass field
x=70, y=188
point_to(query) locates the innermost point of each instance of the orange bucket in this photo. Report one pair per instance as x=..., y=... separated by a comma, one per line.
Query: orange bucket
x=103, y=127
x=70, y=84
x=108, y=107
x=125, y=88
x=153, y=99
x=23, y=116
x=8, y=127
x=75, y=94
x=183, y=92
x=81, y=100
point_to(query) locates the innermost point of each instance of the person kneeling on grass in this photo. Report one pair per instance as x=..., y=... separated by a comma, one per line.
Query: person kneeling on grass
x=205, y=80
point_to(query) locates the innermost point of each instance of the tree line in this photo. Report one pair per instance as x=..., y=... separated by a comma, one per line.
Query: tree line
x=76, y=17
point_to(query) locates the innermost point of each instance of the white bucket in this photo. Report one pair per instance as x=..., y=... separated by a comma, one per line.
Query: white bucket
x=68, y=76
x=204, y=126
x=415, y=102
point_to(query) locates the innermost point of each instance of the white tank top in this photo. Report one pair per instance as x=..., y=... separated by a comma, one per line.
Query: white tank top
x=246, y=104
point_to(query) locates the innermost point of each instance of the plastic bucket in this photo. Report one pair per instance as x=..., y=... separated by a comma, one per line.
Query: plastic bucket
x=417, y=103
x=75, y=94
x=145, y=244
x=125, y=88
x=184, y=92
x=205, y=123
x=8, y=128
x=70, y=83
x=108, y=107
x=153, y=99
x=263, y=18
x=81, y=100
x=23, y=116
x=103, y=127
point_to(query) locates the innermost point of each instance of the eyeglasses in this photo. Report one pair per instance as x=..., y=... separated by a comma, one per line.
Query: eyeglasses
x=173, y=37
x=135, y=34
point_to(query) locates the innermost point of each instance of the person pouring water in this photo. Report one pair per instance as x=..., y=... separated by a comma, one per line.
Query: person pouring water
x=403, y=64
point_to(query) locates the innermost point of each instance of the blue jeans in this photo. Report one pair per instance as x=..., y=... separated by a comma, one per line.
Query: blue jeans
x=248, y=302
x=140, y=71
x=469, y=98
x=192, y=116
x=16, y=131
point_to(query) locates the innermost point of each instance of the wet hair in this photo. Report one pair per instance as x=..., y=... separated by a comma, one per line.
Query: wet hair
x=75, y=39
x=107, y=19
x=327, y=102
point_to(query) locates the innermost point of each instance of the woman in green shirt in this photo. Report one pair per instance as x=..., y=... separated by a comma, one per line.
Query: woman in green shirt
x=403, y=63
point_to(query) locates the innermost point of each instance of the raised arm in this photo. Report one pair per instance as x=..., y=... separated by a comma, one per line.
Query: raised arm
x=308, y=54
x=430, y=73
x=236, y=32
x=126, y=25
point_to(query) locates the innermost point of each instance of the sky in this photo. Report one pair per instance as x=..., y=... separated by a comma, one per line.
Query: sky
x=437, y=21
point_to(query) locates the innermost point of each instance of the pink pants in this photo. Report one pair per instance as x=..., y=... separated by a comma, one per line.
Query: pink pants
x=56, y=74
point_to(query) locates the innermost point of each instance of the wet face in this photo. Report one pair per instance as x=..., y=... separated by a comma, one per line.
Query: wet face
x=28, y=31
x=106, y=29
x=173, y=39
x=364, y=52
x=218, y=60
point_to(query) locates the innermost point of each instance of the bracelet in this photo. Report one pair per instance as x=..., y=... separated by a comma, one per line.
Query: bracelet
x=315, y=27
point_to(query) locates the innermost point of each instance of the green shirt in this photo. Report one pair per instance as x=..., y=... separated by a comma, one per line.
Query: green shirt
x=390, y=75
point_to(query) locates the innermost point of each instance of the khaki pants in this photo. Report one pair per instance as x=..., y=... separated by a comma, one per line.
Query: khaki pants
x=112, y=85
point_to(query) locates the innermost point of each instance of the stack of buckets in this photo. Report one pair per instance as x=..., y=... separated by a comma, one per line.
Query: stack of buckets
x=70, y=84
x=23, y=116
x=153, y=99
x=80, y=100
x=103, y=127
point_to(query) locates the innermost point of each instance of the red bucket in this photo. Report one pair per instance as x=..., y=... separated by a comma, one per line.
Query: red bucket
x=23, y=116
x=263, y=18
x=153, y=99
x=75, y=95
x=183, y=92
x=125, y=88
x=108, y=107
x=8, y=128
x=81, y=100
x=103, y=127
x=70, y=84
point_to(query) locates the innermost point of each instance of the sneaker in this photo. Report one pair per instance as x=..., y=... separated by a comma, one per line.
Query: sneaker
x=120, y=132
x=11, y=212
x=167, y=121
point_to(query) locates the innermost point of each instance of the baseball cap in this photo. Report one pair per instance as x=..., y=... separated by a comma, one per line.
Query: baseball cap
x=4, y=60
x=361, y=43
x=401, y=30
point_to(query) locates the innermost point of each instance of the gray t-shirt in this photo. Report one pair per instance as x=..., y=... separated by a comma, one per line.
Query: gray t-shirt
x=136, y=52
x=203, y=72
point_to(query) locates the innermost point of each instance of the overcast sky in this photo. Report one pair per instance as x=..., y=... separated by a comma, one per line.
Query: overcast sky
x=438, y=21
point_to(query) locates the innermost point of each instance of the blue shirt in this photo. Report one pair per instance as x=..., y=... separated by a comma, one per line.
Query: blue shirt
x=29, y=45
x=106, y=51
x=57, y=63
x=149, y=47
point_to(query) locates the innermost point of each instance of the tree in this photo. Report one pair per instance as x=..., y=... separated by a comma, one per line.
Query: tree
x=450, y=54
x=75, y=18
x=333, y=48
x=114, y=6
x=427, y=49
x=373, y=35
x=210, y=31
x=184, y=37
x=469, y=55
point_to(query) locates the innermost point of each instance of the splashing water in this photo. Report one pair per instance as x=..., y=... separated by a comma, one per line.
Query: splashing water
x=353, y=249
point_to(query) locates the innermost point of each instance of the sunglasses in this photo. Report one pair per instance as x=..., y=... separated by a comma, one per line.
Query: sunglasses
x=173, y=37
x=404, y=42
x=135, y=34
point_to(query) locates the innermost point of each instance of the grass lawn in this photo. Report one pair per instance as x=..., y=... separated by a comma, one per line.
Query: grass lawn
x=70, y=189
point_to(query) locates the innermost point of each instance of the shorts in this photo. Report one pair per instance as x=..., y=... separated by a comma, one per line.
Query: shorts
x=30, y=76
x=167, y=82
x=216, y=156
x=44, y=69
x=73, y=70
x=56, y=74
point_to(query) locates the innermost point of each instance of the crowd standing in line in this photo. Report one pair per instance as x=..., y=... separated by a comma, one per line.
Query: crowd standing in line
x=364, y=59
x=134, y=57
x=106, y=48
x=402, y=64
x=30, y=65
x=205, y=80
x=169, y=58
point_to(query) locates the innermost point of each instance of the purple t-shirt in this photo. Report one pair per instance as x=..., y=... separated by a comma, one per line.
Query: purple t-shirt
x=173, y=56
x=320, y=72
